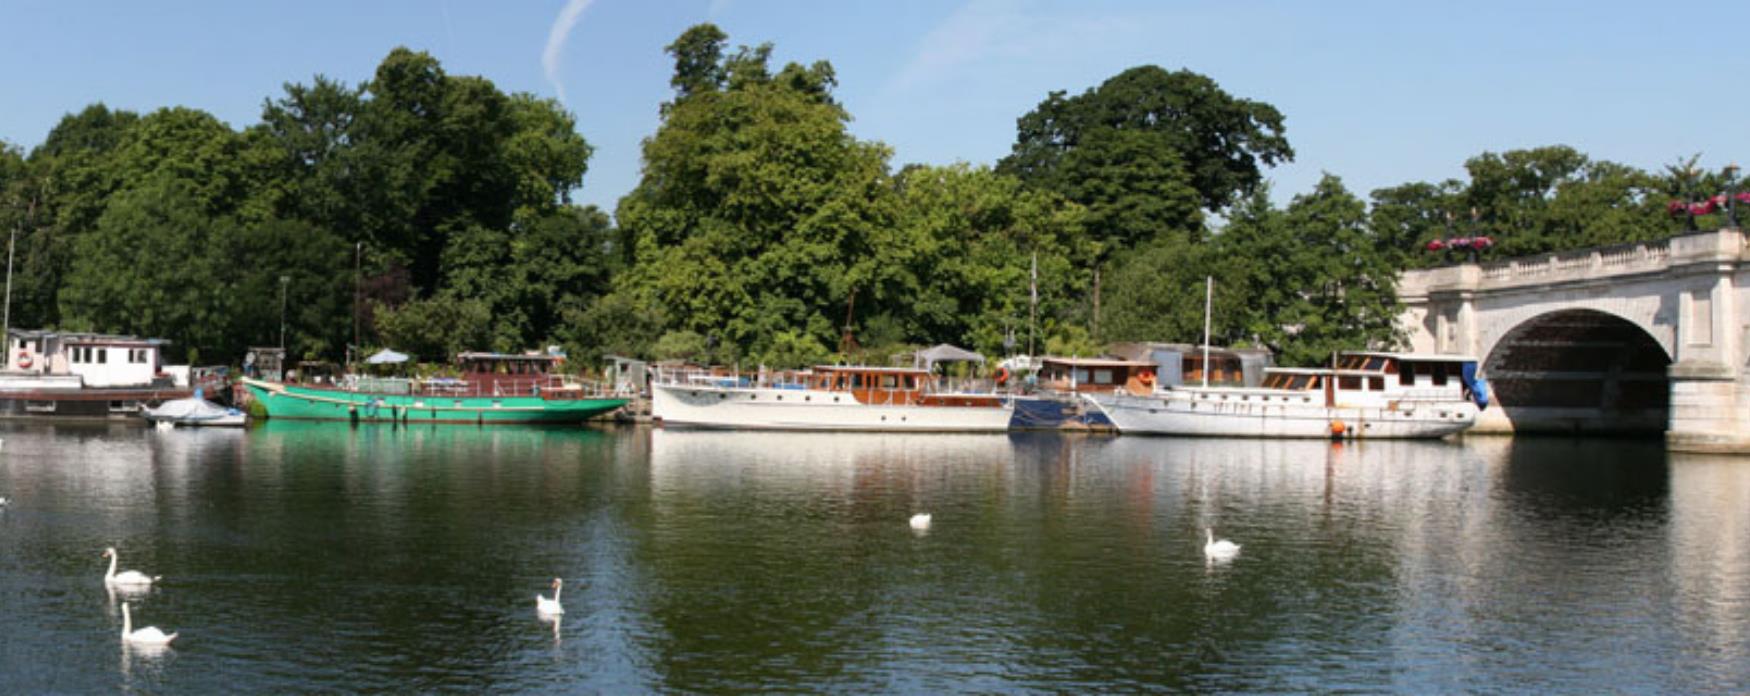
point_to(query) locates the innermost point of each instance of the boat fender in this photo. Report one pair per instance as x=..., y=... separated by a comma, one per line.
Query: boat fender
x=24, y=360
x=1337, y=429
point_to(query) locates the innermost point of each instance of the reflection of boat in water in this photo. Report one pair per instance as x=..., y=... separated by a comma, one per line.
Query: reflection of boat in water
x=887, y=399
x=1366, y=395
x=494, y=389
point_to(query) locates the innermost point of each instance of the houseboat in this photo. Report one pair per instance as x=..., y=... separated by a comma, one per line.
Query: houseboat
x=86, y=375
x=1364, y=395
x=827, y=398
x=491, y=388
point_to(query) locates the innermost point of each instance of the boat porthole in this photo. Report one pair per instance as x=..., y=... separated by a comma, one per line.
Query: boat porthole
x=1153, y=411
x=722, y=396
x=751, y=397
x=807, y=398
x=884, y=419
x=835, y=399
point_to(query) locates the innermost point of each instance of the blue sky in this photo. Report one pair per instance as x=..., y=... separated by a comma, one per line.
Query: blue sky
x=1376, y=93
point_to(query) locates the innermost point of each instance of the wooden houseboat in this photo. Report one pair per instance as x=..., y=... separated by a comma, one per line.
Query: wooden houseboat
x=827, y=398
x=491, y=388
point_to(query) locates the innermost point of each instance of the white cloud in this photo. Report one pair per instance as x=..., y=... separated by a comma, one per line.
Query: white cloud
x=556, y=37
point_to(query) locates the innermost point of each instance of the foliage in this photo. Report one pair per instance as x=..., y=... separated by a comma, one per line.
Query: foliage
x=1221, y=140
x=435, y=329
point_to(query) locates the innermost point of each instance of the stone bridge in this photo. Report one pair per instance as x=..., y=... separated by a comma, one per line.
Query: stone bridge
x=1636, y=338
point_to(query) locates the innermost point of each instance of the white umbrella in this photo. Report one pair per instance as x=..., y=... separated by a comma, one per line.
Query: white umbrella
x=386, y=357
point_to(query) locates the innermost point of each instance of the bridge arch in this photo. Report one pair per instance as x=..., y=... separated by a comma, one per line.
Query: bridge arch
x=1580, y=370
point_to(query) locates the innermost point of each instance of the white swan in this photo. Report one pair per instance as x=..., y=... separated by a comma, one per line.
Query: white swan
x=126, y=577
x=4, y=501
x=920, y=521
x=1219, y=549
x=551, y=606
x=149, y=635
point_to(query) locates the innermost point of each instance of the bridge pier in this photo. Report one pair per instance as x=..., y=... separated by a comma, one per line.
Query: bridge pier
x=1708, y=406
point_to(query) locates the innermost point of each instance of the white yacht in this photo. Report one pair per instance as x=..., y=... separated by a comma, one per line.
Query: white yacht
x=827, y=398
x=1364, y=395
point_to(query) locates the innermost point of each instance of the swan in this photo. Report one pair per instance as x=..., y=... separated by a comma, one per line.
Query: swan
x=4, y=501
x=149, y=635
x=551, y=606
x=126, y=577
x=1219, y=549
x=920, y=521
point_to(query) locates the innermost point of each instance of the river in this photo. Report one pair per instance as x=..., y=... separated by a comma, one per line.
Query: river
x=301, y=557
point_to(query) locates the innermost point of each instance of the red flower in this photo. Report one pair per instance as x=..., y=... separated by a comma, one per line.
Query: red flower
x=1436, y=245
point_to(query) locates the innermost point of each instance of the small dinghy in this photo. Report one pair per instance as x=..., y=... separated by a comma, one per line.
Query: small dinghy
x=194, y=411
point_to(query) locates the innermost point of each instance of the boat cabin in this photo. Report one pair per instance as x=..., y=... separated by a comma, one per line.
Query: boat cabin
x=1182, y=363
x=99, y=360
x=889, y=385
x=1096, y=375
x=1374, y=372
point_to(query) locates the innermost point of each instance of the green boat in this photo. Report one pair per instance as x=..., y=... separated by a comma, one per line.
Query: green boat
x=494, y=388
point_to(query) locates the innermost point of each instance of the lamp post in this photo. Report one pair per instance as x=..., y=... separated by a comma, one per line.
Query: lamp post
x=284, y=281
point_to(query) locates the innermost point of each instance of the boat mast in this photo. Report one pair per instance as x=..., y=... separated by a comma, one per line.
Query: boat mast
x=1032, y=304
x=11, y=244
x=1208, y=302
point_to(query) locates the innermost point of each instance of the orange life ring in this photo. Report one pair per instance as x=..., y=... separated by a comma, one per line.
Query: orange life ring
x=1147, y=378
x=1002, y=376
x=24, y=360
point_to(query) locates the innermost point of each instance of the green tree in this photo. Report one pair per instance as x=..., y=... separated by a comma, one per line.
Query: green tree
x=1221, y=140
x=435, y=329
x=757, y=209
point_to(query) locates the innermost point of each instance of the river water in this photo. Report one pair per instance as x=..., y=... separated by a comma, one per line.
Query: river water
x=303, y=557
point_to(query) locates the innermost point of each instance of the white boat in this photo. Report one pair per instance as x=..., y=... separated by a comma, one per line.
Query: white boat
x=827, y=398
x=194, y=411
x=1365, y=395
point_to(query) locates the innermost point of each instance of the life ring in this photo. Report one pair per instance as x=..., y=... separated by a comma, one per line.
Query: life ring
x=1147, y=378
x=24, y=360
x=1002, y=376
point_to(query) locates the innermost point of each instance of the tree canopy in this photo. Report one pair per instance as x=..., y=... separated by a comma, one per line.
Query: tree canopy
x=435, y=211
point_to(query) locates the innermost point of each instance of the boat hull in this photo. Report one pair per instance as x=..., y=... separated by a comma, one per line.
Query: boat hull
x=304, y=403
x=744, y=408
x=85, y=404
x=1170, y=415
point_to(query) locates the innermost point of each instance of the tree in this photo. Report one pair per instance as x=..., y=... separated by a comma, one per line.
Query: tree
x=1222, y=140
x=756, y=210
x=435, y=329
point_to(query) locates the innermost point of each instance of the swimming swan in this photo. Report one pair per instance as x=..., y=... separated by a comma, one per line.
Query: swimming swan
x=551, y=606
x=126, y=577
x=149, y=635
x=1219, y=549
x=920, y=521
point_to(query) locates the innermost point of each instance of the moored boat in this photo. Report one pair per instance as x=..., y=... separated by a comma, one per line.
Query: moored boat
x=893, y=399
x=492, y=388
x=195, y=411
x=50, y=374
x=1365, y=395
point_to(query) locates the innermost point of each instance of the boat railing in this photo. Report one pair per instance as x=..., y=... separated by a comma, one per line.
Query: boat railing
x=801, y=379
x=544, y=386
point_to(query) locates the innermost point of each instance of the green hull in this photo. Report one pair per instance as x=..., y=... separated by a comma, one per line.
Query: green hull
x=289, y=401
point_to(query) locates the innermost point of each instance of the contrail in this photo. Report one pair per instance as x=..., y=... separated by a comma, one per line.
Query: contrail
x=556, y=37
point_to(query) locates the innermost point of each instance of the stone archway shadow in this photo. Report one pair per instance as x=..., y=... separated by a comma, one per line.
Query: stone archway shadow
x=1578, y=371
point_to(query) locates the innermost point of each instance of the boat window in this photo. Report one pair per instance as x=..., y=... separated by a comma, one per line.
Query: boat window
x=889, y=381
x=1376, y=383
x=1318, y=382
x=1102, y=376
x=1350, y=382
x=1376, y=362
x=856, y=380
x=103, y=355
x=911, y=382
x=1439, y=370
x=1081, y=375
x=1407, y=374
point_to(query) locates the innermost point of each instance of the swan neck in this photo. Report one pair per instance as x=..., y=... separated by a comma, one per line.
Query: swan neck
x=112, y=561
x=556, y=590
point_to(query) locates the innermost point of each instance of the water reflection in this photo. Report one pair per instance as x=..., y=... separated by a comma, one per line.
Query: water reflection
x=317, y=557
